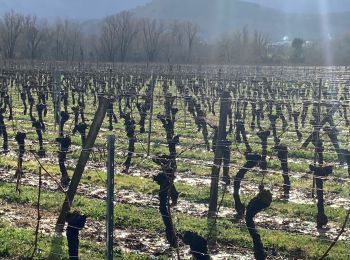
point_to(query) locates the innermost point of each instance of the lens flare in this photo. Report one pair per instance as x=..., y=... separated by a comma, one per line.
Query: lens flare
x=325, y=30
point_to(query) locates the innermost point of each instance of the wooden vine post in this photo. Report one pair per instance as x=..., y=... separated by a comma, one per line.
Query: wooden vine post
x=83, y=158
x=153, y=85
x=225, y=104
x=57, y=98
x=110, y=197
x=317, y=129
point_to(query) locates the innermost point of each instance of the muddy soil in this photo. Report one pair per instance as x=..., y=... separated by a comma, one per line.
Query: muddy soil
x=128, y=240
x=292, y=225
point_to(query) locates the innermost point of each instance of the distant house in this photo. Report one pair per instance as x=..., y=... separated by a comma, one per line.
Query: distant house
x=281, y=50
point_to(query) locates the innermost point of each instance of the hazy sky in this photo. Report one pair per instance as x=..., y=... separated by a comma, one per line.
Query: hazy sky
x=306, y=6
x=92, y=9
x=78, y=9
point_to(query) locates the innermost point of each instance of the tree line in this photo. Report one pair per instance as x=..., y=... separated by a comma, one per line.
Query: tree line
x=126, y=38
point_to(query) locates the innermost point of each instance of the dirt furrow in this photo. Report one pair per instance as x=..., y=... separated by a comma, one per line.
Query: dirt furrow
x=298, y=196
x=129, y=240
x=283, y=223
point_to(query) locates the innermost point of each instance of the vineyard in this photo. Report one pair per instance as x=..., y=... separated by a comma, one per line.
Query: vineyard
x=218, y=162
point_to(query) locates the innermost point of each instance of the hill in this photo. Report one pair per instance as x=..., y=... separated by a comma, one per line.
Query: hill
x=306, y=6
x=216, y=17
x=74, y=9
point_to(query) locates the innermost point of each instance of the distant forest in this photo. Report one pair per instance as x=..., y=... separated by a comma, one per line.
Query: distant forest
x=125, y=37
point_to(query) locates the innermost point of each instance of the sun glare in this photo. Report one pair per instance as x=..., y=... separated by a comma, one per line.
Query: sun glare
x=326, y=33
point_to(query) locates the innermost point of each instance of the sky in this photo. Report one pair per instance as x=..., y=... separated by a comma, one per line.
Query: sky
x=96, y=9
x=76, y=9
x=306, y=6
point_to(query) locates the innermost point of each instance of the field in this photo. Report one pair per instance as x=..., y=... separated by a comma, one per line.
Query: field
x=292, y=226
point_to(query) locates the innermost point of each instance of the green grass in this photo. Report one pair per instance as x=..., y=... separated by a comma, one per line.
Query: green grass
x=201, y=194
x=302, y=246
x=149, y=219
x=17, y=243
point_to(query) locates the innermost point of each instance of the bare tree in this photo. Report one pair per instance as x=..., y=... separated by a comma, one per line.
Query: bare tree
x=11, y=28
x=34, y=34
x=191, y=31
x=60, y=38
x=226, y=49
x=67, y=41
x=93, y=48
x=240, y=48
x=177, y=33
x=259, y=47
x=118, y=33
x=124, y=37
x=151, y=31
x=244, y=47
x=74, y=43
x=126, y=30
x=168, y=46
x=109, y=37
x=174, y=40
x=231, y=48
